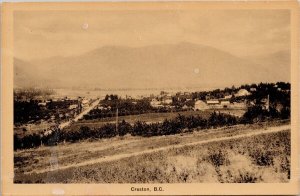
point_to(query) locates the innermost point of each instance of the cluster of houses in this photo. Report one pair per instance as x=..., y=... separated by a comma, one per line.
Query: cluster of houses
x=223, y=102
x=46, y=122
x=80, y=102
x=156, y=103
x=162, y=100
x=218, y=104
x=165, y=100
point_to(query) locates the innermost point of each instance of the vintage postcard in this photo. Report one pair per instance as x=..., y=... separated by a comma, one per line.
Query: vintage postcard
x=150, y=98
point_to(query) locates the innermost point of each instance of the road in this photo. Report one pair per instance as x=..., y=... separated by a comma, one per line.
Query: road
x=79, y=116
x=122, y=155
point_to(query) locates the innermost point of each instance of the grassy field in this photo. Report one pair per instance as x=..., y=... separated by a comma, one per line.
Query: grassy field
x=228, y=154
x=149, y=118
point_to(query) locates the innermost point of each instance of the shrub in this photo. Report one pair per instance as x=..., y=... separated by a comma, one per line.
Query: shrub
x=218, y=158
x=167, y=127
x=140, y=129
x=262, y=158
x=124, y=128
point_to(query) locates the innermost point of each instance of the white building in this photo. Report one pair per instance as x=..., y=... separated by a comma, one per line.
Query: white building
x=227, y=96
x=73, y=106
x=212, y=102
x=252, y=89
x=242, y=92
x=200, y=105
x=42, y=104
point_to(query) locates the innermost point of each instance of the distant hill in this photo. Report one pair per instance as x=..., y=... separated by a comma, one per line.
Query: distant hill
x=156, y=66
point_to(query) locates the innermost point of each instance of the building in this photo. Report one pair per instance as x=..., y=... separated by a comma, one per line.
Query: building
x=85, y=103
x=213, y=102
x=242, y=92
x=185, y=107
x=228, y=97
x=73, y=106
x=252, y=89
x=200, y=105
x=155, y=103
x=225, y=103
x=100, y=107
x=167, y=101
x=42, y=104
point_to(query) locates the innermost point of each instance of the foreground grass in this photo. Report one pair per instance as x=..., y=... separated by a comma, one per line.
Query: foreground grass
x=263, y=158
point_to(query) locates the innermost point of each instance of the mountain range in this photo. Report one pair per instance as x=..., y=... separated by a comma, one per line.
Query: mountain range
x=156, y=66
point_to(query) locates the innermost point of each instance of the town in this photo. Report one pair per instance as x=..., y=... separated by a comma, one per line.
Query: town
x=43, y=112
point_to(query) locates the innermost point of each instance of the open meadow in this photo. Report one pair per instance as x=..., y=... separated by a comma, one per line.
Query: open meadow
x=234, y=154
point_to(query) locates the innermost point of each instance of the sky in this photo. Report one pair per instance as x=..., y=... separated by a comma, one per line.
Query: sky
x=44, y=34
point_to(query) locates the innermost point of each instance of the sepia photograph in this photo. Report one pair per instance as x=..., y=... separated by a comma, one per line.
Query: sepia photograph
x=165, y=94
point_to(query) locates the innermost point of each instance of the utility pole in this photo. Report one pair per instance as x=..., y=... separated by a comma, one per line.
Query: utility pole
x=117, y=120
x=268, y=103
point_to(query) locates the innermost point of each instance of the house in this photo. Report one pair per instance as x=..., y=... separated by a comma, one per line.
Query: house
x=167, y=101
x=200, y=105
x=227, y=96
x=100, y=107
x=242, y=92
x=225, y=103
x=42, y=104
x=185, y=107
x=40, y=98
x=55, y=98
x=155, y=103
x=252, y=89
x=73, y=106
x=213, y=102
x=85, y=103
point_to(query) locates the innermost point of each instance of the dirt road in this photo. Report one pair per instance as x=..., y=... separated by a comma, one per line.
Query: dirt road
x=79, y=116
x=118, y=156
